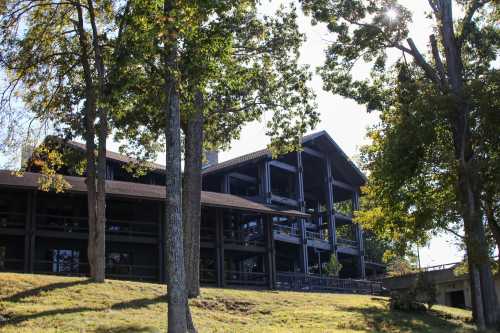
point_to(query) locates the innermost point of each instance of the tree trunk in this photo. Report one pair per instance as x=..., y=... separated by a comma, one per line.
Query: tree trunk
x=100, y=230
x=191, y=200
x=492, y=222
x=468, y=184
x=177, y=296
x=90, y=117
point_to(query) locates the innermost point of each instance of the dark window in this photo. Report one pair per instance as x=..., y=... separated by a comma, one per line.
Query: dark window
x=65, y=261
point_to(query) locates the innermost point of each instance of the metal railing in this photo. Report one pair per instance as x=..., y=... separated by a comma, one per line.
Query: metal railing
x=245, y=278
x=61, y=223
x=286, y=230
x=308, y=282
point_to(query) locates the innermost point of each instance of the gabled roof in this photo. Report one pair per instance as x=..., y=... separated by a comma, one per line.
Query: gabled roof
x=266, y=153
x=109, y=154
x=29, y=180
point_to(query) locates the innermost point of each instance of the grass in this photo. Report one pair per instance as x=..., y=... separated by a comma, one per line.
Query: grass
x=39, y=303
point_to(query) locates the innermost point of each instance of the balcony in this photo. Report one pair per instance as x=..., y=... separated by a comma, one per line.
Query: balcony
x=286, y=233
x=12, y=222
x=245, y=237
x=246, y=278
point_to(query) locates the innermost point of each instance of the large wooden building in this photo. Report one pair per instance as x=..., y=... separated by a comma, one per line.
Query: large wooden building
x=264, y=220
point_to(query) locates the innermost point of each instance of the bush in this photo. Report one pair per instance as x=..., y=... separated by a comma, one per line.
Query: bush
x=423, y=292
x=333, y=266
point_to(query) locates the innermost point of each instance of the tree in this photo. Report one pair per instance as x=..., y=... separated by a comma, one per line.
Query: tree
x=56, y=61
x=233, y=67
x=461, y=54
x=333, y=267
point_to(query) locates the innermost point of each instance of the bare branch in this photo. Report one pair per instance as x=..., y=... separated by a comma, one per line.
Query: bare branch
x=420, y=60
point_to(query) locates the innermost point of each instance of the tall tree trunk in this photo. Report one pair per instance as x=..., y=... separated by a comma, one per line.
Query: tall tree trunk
x=90, y=117
x=177, y=296
x=191, y=196
x=100, y=230
x=468, y=185
x=492, y=221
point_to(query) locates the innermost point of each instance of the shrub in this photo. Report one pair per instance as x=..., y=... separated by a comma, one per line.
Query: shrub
x=412, y=300
x=333, y=266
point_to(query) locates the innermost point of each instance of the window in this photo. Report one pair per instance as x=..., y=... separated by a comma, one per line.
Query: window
x=65, y=261
x=119, y=263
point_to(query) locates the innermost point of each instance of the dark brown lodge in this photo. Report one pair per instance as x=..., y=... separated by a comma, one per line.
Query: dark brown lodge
x=263, y=220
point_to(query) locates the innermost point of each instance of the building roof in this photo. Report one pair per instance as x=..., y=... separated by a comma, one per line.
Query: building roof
x=29, y=180
x=109, y=154
x=264, y=153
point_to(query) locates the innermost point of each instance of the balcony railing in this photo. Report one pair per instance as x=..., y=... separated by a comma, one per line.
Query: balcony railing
x=132, y=272
x=347, y=242
x=11, y=265
x=246, y=278
x=317, y=236
x=12, y=220
x=74, y=224
x=280, y=229
x=208, y=276
x=307, y=282
x=250, y=237
x=207, y=234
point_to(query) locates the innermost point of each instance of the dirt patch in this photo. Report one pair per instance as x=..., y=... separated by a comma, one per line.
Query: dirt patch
x=224, y=304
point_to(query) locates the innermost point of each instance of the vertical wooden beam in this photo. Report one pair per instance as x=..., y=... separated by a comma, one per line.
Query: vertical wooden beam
x=300, y=198
x=226, y=184
x=265, y=181
x=359, y=236
x=330, y=207
x=219, y=247
x=271, y=254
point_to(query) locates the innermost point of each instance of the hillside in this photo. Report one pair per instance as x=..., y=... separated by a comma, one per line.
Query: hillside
x=38, y=303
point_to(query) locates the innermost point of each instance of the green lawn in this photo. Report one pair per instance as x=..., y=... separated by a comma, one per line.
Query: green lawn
x=39, y=303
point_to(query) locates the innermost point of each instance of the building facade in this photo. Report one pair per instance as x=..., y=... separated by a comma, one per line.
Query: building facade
x=264, y=220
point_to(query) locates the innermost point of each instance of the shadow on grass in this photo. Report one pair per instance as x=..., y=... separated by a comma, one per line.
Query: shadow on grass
x=18, y=297
x=15, y=320
x=381, y=319
x=128, y=329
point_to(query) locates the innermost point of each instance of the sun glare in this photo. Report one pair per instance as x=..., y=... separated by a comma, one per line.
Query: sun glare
x=392, y=14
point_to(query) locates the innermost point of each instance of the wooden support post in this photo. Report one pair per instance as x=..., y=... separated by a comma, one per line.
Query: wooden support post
x=226, y=184
x=27, y=232
x=330, y=207
x=219, y=247
x=271, y=253
x=300, y=198
x=265, y=181
x=359, y=236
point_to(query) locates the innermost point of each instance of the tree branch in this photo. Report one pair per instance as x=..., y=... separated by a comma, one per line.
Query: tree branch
x=466, y=22
x=420, y=60
x=437, y=60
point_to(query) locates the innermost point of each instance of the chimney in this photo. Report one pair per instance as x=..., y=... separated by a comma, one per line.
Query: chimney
x=211, y=158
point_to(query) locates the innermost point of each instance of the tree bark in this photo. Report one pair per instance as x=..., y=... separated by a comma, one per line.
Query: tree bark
x=468, y=179
x=90, y=117
x=177, y=296
x=492, y=221
x=191, y=201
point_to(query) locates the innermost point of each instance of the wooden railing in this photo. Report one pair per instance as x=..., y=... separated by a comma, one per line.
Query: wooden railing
x=12, y=265
x=208, y=276
x=308, y=282
x=313, y=235
x=347, y=242
x=75, y=224
x=286, y=230
x=246, y=278
x=12, y=220
x=244, y=237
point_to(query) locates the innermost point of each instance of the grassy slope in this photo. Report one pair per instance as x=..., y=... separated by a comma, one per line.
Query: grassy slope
x=37, y=303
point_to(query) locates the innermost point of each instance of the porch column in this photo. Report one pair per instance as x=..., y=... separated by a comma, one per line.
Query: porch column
x=30, y=232
x=270, y=251
x=329, y=206
x=359, y=237
x=300, y=198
